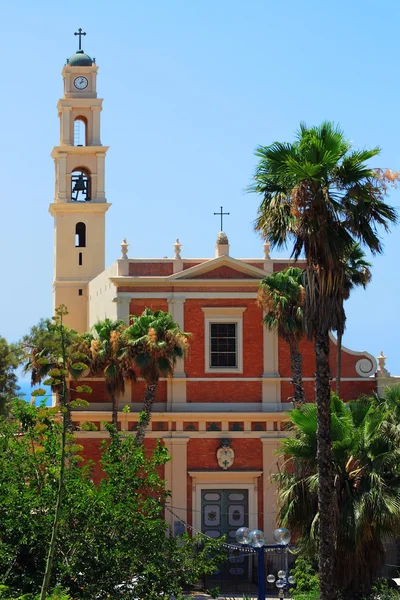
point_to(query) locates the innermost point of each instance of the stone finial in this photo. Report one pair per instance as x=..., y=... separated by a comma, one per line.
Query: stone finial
x=267, y=247
x=177, y=249
x=222, y=238
x=222, y=245
x=382, y=370
x=124, y=249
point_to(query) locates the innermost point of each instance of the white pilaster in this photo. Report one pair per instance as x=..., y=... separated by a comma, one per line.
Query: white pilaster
x=65, y=117
x=168, y=481
x=178, y=478
x=271, y=385
x=96, y=125
x=123, y=309
x=270, y=445
x=61, y=193
x=177, y=385
x=101, y=194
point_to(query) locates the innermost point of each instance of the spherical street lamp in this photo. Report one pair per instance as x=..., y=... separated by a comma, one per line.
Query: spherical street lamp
x=256, y=539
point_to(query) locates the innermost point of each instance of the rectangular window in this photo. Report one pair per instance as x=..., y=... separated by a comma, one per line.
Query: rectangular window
x=223, y=345
x=80, y=292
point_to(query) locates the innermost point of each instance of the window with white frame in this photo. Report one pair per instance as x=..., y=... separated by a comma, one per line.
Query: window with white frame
x=223, y=339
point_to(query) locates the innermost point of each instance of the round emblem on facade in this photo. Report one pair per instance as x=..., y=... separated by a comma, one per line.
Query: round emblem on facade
x=225, y=456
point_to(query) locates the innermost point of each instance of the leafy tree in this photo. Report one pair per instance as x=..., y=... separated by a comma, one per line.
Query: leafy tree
x=366, y=495
x=52, y=352
x=154, y=342
x=9, y=361
x=319, y=193
x=356, y=272
x=105, y=349
x=109, y=535
x=281, y=295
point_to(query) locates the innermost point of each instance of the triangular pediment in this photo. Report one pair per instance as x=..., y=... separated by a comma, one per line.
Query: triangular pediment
x=223, y=267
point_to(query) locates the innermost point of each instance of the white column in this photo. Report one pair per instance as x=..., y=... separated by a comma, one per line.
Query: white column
x=123, y=309
x=177, y=385
x=101, y=175
x=96, y=110
x=61, y=193
x=66, y=126
x=270, y=445
x=178, y=476
x=270, y=385
x=168, y=482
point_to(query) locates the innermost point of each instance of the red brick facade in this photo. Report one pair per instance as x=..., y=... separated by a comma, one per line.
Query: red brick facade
x=200, y=407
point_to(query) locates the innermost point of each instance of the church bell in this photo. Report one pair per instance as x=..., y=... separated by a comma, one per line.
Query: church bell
x=80, y=185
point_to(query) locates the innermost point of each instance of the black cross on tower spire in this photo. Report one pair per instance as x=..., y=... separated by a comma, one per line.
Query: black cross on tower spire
x=80, y=33
x=221, y=214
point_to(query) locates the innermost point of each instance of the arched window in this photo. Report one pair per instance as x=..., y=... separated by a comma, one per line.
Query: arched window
x=80, y=131
x=80, y=259
x=80, y=237
x=81, y=185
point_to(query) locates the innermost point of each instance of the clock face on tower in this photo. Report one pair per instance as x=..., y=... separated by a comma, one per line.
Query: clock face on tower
x=81, y=83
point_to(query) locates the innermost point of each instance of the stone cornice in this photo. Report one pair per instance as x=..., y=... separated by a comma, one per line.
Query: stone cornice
x=78, y=207
x=78, y=150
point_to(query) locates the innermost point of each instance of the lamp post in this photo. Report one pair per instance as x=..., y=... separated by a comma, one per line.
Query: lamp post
x=256, y=539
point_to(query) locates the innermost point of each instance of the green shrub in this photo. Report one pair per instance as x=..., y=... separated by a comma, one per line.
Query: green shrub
x=305, y=573
x=382, y=591
x=313, y=595
x=7, y=594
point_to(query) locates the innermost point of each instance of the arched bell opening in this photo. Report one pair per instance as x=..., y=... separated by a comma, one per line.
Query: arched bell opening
x=81, y=185
x=80, y=238
x=80, y=131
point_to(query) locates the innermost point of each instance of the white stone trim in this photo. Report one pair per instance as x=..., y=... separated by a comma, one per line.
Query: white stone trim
x=188, y=295
x=366, y=366
x=232, y=314
x=218, y=480
x=215, y=263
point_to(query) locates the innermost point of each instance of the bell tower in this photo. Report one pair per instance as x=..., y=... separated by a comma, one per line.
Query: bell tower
x=80, y=203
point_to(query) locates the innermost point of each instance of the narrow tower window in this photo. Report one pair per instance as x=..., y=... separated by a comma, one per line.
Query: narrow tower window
x=80, y=259
x=80, y=131
x=80, y=237
x=80, y=185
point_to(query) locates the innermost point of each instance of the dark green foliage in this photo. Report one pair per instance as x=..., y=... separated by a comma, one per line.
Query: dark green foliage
x=366, y=497
x=154, y=342
x=281, y=295
x=108, y=533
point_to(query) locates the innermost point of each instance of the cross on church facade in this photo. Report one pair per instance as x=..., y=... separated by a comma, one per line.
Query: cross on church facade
x=80, y=33
x=221, y=214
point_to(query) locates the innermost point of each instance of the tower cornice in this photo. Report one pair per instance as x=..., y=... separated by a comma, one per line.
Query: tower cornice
x=78, y=150
x=78, y=207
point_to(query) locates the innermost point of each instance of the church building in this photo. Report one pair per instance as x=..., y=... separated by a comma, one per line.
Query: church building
x=223, y=413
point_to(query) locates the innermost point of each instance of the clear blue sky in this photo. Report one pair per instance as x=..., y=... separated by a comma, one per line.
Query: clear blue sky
x=190, y=87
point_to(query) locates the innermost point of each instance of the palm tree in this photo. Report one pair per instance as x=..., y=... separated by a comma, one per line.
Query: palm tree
x=356, y=272
x=281, y=295
x=320, y=194
x=107, y=358
x=43, y=355
x=366, y=495
x=154, y=343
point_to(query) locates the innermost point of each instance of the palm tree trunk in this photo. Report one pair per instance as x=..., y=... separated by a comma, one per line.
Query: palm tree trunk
x=114, y=401
x=338, y=361
x=297, y=374
x=145, y=415
x=326, y=551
